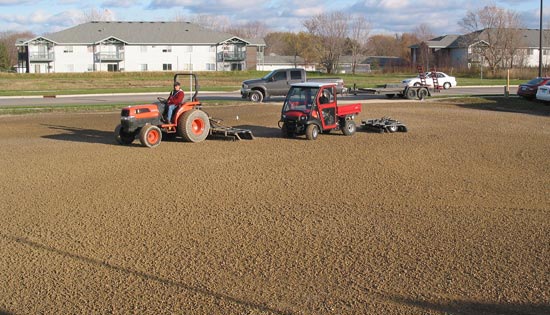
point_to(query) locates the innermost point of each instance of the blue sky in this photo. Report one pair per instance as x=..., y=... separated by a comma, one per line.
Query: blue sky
x=386, y=16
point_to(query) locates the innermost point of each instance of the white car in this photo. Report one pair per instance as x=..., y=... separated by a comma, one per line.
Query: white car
x=543, y=93
x=443, y=79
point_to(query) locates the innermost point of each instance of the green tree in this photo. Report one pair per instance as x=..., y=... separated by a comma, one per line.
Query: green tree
x=4, y=57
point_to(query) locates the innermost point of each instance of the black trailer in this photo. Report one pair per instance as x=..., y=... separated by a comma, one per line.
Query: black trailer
x=392, y=90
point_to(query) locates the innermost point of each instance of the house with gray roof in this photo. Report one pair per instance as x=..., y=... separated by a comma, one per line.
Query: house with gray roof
x=461, y=51
x=138, y=46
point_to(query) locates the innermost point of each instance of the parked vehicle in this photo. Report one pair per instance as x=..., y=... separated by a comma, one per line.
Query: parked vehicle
x=444, y=80
x=529, y=90
x=278, y=82
x=311, y=108
x=543, y=93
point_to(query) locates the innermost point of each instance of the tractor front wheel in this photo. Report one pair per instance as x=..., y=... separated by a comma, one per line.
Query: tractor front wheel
x=150, y=136
x=194, y=126
x=123, y=137
x=312, y=132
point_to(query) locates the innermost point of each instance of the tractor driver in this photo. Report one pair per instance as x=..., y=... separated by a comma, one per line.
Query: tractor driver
x=175, y=99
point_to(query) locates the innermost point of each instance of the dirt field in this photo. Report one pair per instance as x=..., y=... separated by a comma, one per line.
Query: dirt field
x=450, y=218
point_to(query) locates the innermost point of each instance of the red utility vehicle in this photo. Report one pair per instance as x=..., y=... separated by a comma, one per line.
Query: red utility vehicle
x=311, y=108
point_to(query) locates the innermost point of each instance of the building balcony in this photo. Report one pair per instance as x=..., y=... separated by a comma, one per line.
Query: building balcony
x=109, y=56
x=41, y=57
x=232, y=56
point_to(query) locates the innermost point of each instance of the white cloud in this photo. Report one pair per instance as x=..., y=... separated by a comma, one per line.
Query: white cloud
x=119, y=3
x=40, y=21
x=14, y=2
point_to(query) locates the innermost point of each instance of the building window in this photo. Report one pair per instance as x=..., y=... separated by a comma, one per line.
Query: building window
x=167, y=66
x=144, y=67
x=68, y=49
x=188, y=49
x=530, y=51
x=188, y=67
x=70, y=68
x=167, y=49
x=143, y=49
x=210, y=67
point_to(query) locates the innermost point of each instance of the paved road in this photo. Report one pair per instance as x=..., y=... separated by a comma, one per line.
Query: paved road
x=129, y=99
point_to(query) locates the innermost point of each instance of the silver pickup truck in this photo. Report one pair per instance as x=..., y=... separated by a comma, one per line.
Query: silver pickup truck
x=277, y=83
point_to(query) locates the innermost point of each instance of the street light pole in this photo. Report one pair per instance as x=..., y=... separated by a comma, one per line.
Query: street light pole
x=540, y=42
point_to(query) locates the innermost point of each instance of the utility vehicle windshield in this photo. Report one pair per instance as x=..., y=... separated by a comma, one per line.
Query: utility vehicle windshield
x=300, y=98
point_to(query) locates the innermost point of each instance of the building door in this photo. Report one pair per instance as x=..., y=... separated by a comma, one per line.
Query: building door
x=36, y=68
x=112, y=67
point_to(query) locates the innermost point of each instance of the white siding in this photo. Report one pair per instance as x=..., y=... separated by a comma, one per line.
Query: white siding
x=180, y=56
x=80, y=58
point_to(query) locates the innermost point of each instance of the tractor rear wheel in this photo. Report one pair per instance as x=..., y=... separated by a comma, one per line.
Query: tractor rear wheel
x=349, y=128
x=194, y=126
x=312, y=132
x=123, y=137
x=150, y=136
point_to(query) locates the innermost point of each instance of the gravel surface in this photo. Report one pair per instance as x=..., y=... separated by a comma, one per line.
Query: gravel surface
x=452, y=217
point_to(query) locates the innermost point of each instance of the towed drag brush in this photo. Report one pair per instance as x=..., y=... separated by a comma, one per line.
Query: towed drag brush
x=220, y=131
x=384, y=124
x=189, y=122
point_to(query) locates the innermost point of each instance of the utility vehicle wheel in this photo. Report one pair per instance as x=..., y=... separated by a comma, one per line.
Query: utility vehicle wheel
x=390, y=96
x=123, y=137
x=392, y=128
x=417, y=84
x=447, y=85
x=256, y=96
x=193, y=126
x=422, y=94
x=411, y=94
x=312, y=132
x=285, y=133
x=150, y=136
x=349, y=128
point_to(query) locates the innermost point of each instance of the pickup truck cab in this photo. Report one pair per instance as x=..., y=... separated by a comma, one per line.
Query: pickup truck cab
x=311, y=108
x=278, y=82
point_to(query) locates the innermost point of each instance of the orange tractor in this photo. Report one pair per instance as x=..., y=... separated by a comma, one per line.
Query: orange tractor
x=188, y=121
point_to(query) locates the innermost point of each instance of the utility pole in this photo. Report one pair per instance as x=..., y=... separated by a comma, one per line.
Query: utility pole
x=540, y=42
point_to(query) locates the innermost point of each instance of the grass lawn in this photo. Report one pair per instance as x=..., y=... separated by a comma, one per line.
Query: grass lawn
x=12, y=84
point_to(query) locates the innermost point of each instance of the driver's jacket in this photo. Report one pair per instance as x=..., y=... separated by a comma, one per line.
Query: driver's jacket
x=176, y=97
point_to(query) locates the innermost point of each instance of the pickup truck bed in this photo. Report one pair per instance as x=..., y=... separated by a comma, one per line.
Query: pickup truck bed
x=351, y=109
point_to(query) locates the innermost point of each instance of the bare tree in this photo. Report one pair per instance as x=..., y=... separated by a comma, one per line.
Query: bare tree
x=219, y=23
x=423, y=32
x=331, y=29
x=9, y=39
x=494, y=36
x=253, y=29
x=94, y=14
x=359, y=34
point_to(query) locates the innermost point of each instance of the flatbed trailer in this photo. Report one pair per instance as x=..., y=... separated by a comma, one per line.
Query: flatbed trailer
x=392, y=90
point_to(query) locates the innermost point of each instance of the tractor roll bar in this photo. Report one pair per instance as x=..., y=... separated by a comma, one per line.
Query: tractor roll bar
x=194, y=78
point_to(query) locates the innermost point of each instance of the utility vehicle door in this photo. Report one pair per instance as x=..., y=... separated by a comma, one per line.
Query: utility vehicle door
x=326, y=101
